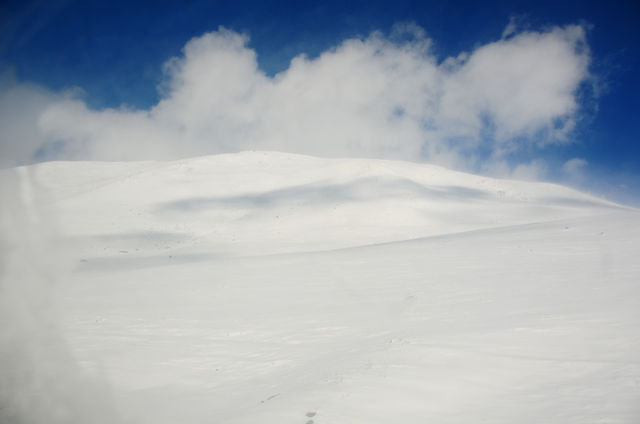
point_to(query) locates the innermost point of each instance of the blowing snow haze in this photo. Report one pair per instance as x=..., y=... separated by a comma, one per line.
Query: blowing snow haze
x=347, y=227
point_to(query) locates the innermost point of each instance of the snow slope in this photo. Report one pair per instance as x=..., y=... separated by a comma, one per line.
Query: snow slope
x=266, y=202
x=277, y=288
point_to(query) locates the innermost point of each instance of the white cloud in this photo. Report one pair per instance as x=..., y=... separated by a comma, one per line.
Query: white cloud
x=535, y=170
x=574, y=169
x=574, y=165
x=523, y=86
x=375, y=97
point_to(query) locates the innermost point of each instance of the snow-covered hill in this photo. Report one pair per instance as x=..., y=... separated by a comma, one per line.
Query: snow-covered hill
x=263, y=287
x=266, y=202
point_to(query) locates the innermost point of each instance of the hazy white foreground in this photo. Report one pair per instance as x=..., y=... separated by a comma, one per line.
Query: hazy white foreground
x=274, y=288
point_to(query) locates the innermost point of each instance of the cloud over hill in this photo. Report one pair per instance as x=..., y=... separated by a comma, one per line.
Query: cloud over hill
x=386, y=95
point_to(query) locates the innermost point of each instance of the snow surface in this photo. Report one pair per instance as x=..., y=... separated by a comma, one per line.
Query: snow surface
x=264, y=287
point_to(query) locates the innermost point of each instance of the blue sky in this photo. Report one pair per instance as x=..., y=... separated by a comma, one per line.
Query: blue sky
x=113, y=54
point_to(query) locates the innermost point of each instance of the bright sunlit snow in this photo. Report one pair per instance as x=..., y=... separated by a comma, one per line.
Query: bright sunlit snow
x=264, y=287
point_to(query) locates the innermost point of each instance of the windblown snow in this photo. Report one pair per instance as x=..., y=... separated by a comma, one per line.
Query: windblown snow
x=263, y=287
